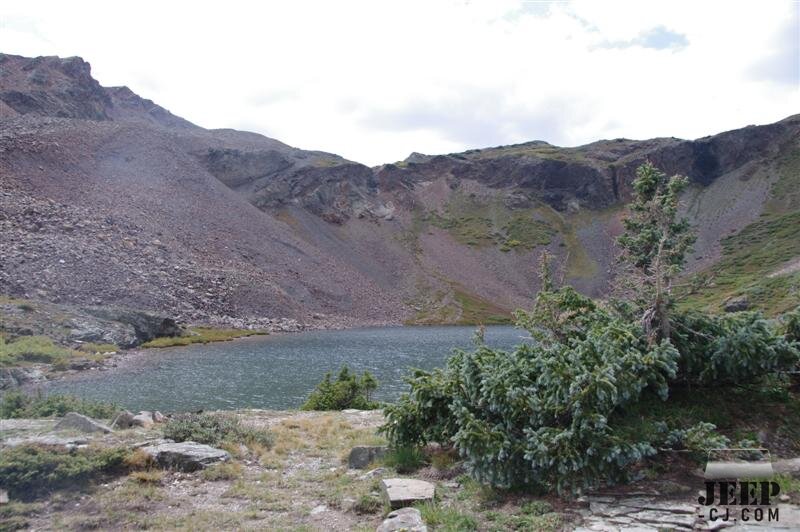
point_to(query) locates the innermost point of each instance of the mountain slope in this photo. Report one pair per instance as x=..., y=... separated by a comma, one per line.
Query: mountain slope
x=107, y=198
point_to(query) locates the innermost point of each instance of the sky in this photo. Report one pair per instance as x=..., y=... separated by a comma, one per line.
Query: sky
x=376, y=80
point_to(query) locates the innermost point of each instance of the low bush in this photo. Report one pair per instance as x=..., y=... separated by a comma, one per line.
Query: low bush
x=27, y=471
x=536, y=508
x=555, y=413
x=735, y=348
x=15, y=404
x=347, y=391
x=215, y=429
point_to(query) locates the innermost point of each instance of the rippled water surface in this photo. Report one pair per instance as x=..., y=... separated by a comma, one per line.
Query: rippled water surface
x=274, y=371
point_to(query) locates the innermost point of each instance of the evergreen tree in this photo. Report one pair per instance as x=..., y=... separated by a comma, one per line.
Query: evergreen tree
x=654, y=245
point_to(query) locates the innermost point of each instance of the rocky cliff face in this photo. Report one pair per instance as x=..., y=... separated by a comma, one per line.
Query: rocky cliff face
x=108, y=197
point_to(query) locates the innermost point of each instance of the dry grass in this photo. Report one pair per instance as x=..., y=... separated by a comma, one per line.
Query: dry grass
x=147, y=477
x=203, y=335
x=223, y=471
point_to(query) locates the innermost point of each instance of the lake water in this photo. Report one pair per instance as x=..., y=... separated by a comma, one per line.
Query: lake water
x=274, y=371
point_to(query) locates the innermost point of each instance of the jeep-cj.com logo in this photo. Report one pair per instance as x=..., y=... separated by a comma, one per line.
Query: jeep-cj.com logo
x=728, y=497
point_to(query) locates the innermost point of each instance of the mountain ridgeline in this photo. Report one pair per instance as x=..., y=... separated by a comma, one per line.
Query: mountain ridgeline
x=109, y=199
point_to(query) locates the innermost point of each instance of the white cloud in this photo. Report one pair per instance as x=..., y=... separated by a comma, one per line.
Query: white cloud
x=374, y=81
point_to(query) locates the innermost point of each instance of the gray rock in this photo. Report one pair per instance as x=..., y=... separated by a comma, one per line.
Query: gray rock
x=80, y=364
x=158, y=417
x=143, y=419
x=664, y=518
x=81, y=423
x=318, y=509
x=788, y=466
x=186, y=456
x=362, y=456
x=401, y=492
x=14, y=377
x=90, y=329
x=124, y=420
x=407, y=519
x=3, y=497
x=737, y=304
x=146, y=326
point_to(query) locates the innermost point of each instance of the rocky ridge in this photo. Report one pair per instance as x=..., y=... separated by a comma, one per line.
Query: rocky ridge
x=107, y=197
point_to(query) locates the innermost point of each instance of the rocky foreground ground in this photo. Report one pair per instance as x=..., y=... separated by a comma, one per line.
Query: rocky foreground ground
x=311, y=478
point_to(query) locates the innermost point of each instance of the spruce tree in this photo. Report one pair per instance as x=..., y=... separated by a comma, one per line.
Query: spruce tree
x=654, y=245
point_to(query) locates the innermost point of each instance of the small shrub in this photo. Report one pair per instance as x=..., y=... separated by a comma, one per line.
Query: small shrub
x=347, y=391
x=223, y=471
x=214, y=429
x=791, y=324
x=404, y=459
x=14, y=514
x=536, y=508
x=26, y=307
x=28, y=470
x=699, y=438
x=202, y=428
x=368, y=504
x=15, y=404
x=139, y=460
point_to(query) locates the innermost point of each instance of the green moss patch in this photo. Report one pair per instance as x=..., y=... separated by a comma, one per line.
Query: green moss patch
x=27, y=349
x=487, y=222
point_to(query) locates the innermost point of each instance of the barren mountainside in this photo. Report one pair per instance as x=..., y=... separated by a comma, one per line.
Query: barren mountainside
x=108, y=199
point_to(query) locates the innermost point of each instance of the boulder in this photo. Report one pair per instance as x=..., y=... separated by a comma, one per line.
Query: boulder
x=14, y=377
x=737, y=304
x=158, y=417
x=401, y=492
x=81, y=423
x=407, y=519
x=143, y=419
x=186, y=456
x=124, y=420
x=362, y=456
x=145, y=326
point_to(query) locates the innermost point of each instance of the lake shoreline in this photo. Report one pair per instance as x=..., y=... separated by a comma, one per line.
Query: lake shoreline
x=268, y=372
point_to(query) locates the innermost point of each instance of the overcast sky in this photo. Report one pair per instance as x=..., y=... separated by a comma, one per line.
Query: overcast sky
x=374, y=81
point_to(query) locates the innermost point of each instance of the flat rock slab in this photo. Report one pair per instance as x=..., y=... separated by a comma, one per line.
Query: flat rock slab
x=81, y=423
x=186, y=456
x=362, y=456
x=407, y=519
x=406, y=491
